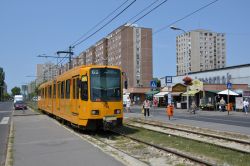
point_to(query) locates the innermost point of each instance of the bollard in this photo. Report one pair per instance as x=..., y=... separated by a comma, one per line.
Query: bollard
x=170, y=111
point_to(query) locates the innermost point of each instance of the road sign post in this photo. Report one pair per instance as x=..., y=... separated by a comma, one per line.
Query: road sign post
x=229, y=86
x=153, y=84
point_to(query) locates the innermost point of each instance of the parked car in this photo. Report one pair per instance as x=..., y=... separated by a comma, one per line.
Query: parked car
x=20, y=105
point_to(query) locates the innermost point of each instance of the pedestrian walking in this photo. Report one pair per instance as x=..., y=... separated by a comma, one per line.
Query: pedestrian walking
x=245, y=106
x=128, y=104
x=146, y=105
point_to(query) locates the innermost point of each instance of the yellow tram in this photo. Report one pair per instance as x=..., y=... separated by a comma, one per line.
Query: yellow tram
x=89, y=97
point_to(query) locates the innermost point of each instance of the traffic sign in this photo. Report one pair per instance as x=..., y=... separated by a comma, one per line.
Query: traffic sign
x=168, y=79
x=229, y=85
x=153, y=84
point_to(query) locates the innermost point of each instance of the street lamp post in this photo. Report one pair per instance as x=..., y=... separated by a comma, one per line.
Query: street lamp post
x=179, y=29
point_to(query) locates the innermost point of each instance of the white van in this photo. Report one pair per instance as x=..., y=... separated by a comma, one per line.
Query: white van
x=18, y=98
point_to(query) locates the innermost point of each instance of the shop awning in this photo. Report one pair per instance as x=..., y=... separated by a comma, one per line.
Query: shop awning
x=213, y=91
x=161, y=94
x=228, y=92
x=176, y=93
x=190, y=93
x=152, y=92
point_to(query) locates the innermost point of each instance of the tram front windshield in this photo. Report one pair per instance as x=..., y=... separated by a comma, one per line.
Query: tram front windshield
x=105, y=84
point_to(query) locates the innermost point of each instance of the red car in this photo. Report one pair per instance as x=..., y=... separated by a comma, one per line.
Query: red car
x=20, y=105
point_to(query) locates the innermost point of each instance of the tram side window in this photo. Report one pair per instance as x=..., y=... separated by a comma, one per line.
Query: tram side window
x=50, y=90
x=54, y=90
x=58, y=90
x=77, y=88
x=62, y=89
x=45, y=94
x=74, y=88
x=84, y=88
x=67, y=93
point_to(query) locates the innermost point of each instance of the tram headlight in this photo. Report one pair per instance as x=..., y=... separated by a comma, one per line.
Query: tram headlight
x=117, y=111
x=95, y=112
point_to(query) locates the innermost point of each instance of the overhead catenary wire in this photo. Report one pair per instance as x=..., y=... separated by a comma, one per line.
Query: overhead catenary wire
x=143, y=10
x=186, y=16
x=73, y=45
x=150, y=11
x=144, y=14
x=174, y=22
x=178, y=20
x=78, y=41
x=100, y=22
x=81, y=41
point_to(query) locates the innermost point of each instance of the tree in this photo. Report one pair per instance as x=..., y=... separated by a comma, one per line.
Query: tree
x=16, y=91
x=158, y=82
x=187, y=80
x=2, y=78
x=6, y=96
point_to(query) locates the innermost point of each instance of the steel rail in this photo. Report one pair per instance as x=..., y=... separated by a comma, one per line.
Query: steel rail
x=169, y=150
x=198, y=133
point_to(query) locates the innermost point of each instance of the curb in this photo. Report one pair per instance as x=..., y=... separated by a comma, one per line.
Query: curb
x=9, y=156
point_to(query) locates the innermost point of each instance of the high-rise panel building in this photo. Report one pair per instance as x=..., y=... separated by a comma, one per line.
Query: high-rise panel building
x=200, y=50
x=129, y=47
x=45, y=72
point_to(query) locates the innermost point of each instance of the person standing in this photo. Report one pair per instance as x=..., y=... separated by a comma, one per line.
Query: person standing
x=222, y=104
x=146, y=105
x=245, y=105
x=128, y=104
x=155, y=102
x=194, y=107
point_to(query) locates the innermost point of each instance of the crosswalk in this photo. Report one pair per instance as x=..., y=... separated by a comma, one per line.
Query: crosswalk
x=5, y=120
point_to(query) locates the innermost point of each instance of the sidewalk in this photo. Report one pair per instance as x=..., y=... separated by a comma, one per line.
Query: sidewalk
x=40, y=141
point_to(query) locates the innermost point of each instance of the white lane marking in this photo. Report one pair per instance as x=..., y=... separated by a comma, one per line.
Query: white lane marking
x=5, y=120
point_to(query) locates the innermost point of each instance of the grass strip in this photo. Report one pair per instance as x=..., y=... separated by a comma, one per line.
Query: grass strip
x=220, y=155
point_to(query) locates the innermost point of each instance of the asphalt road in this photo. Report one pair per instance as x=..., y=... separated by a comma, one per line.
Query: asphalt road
x=5, y=116
x=234, y=118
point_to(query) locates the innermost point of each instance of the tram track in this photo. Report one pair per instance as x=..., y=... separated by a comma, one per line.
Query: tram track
x=239, y=145
x=127, y=147
x=107, y=141
x=168, y=150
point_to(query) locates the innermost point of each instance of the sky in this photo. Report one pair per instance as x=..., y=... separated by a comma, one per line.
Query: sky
x=30, y=28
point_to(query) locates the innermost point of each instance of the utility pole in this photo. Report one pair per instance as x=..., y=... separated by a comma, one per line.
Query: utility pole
x=70, y=55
